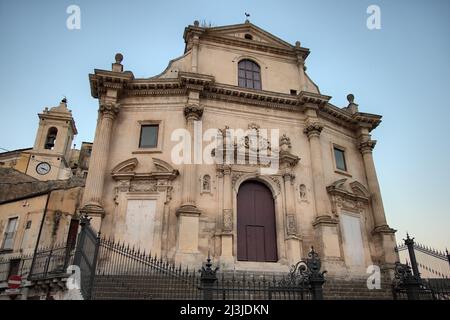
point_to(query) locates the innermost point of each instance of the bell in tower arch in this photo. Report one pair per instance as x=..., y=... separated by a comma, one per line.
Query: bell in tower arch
x=51, y=137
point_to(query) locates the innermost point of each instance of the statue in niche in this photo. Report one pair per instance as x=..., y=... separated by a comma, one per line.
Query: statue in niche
x=302, y=191
x=206, y=183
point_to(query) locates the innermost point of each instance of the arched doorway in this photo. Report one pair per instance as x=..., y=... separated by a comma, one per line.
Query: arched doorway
x=256, y=232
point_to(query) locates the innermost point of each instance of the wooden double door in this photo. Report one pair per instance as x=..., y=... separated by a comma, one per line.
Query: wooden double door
x=256, y=231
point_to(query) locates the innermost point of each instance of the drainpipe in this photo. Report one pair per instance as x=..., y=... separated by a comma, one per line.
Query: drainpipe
x=39, y=234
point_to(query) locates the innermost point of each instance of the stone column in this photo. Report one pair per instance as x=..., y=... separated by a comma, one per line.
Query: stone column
x=93, y=192
x=384, y=236
x=379, y=216
x=226, y=255
x=313, y=131
x=326, y=227
x=188, y=214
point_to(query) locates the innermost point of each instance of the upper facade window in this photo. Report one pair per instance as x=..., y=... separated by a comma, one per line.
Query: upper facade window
x=249, y=75
x=149, y=136
x=339, y=156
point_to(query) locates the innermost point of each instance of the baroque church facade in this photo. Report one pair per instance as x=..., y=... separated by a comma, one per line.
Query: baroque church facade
x=324, y=192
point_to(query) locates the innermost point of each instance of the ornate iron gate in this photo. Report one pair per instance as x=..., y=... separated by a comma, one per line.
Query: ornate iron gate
x=86, y=256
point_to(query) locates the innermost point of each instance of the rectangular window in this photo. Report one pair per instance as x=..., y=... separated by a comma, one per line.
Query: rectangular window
x=8, y=240
x=149, y=136
x=293, y=92
x=339, y=156
x=14, y=267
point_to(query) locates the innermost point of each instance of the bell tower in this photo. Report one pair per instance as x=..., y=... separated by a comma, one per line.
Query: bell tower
x=50, y=156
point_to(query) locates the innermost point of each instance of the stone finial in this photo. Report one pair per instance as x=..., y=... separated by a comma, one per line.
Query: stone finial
x=350, y=98
x=352, y=106
x=285, y=142
x=117, y=66
x=196, y=23
x=297, y=44
x=118, y=57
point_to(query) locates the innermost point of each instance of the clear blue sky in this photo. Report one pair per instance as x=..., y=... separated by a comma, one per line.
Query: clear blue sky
x=401, y=72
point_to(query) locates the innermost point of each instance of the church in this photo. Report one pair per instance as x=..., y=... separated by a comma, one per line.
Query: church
x=290, y=170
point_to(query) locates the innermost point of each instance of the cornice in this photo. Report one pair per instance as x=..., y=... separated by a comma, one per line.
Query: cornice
x=253, y=97
x=58, y=117
x=347, y=119
x=190, y=78
x=215, y=35
x=256, y=45
x=102, y=80
x=209, y=89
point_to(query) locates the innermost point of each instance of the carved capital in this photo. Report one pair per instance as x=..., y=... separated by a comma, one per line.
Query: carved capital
x=109, y=109
x=367, y=146
x=288, y=176
x=226, y=169
x=193, y=112
x=314, y=129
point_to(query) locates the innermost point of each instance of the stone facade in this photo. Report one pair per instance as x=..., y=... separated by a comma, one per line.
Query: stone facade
x=133, y=192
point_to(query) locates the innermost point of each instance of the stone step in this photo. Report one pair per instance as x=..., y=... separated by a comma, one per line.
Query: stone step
x=159, y=286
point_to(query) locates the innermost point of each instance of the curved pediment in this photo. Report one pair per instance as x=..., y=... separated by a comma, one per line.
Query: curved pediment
x=126, y=166
x=352, y=190
x=162, y=166
x=338, y=184
x=359, y=189
x=126, y=170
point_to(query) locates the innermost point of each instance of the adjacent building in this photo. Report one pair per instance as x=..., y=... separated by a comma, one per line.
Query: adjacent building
x=431, y=263
x=41, y=190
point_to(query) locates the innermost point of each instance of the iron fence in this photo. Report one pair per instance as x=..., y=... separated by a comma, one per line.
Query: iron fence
x=439, y=288
x=50, y=262
x=408, y=284
x=123, y=272
x=23, y=267
x=243, y=286
x=112, y=270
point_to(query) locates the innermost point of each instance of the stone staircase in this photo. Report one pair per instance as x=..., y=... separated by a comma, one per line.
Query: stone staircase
x=162, y=287
x=355, y=289
x=149, y=287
